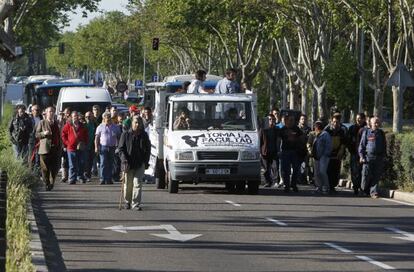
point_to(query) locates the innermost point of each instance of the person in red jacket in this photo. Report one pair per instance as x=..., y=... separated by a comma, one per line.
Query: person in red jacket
x=75, y=138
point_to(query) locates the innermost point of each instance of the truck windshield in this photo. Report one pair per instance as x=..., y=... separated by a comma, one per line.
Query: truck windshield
x=212, y=115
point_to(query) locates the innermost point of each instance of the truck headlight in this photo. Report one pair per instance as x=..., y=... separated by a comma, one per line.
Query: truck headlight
x=184, y=156
x=249, y=155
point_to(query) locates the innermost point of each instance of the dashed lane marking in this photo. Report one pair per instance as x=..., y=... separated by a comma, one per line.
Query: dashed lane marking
x=342, y=249
x=233, y=203
x=277, y=222
x=377, y=263
x=363, y=258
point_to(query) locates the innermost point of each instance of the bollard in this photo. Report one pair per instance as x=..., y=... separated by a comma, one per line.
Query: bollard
x=3, y=217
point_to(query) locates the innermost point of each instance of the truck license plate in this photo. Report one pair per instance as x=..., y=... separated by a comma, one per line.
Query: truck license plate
x=217, y=171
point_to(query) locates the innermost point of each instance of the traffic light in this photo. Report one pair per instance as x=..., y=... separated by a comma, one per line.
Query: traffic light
x=155, y=43
x=61, y=48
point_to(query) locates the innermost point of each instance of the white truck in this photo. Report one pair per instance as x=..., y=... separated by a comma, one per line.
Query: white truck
x=199, y=138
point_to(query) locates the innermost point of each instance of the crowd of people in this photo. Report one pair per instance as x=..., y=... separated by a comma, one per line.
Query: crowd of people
x=110, y=145
x=292, y=152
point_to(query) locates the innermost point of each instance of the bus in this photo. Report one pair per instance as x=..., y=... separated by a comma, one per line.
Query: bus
x=46, y=95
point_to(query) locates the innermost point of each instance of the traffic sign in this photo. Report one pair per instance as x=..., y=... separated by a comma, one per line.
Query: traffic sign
x=155, y=78
x=138, y=83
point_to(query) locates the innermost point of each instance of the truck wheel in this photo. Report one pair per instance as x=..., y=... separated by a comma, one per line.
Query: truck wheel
x=172, y=184
x=253, y=187
x=240, y=187
x=159, y=175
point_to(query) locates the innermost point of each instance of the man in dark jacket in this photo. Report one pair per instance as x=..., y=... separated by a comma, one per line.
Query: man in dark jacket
x=268, y=148
x=338, y=135
x=134, y=149
x=292, y=146
x=354, y=137
x=372, y=151
x=20, y=129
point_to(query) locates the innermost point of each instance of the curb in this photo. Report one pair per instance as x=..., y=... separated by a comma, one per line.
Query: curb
x=385, y=193
x=36, y=249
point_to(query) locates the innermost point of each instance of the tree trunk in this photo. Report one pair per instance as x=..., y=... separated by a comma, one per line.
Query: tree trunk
x=378, y=101
x=314, y=106
x=304, y=100
x=322, y=109
x=397, y=95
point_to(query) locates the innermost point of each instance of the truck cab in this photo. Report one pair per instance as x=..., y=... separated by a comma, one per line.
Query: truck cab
x=210, y=138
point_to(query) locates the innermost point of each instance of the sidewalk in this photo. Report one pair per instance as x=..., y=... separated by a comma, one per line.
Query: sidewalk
x=385, y=193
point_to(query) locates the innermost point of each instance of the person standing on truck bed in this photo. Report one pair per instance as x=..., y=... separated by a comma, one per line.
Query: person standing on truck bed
x=197, y=85
x=228, y=84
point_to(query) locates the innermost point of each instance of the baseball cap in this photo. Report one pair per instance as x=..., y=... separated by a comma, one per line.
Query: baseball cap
x=133, y=108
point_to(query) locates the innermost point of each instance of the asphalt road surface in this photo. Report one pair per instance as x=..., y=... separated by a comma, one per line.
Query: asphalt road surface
x=203, y=228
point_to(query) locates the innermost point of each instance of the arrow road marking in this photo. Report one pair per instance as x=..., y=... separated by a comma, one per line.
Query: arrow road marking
x=407, y=236
x=233, y=203
x=173, y=233
x=277, y=222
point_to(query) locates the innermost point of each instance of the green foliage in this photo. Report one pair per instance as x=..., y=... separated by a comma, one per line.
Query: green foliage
x=399, y=165
x=41, y=25
x=103, y=45
x=341, y=78
x=20, y=179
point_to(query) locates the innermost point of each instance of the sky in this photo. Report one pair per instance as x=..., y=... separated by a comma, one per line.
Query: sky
x=105, y=5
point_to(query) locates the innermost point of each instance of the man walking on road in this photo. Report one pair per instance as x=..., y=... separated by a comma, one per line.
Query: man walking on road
x=34, y=162
x=372, y=151
x=321, y=150
x=50, y=147
x=338, y=134
x=291, y=147
x=268, y=149
x=354, y=135
x=20, y=129
x=134, y=149
x=90, y=148
x=75, y=137
x=105, y=143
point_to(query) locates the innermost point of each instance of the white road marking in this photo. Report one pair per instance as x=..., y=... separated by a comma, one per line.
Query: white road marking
x=374, y=262
x=335, y=246
x=173, y=233
x=407, y=236
x=233, y=203
x=399, y=202
x=364, y=258
x=277, y=222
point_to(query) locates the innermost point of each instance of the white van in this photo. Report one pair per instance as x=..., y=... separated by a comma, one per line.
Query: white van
x=219, y=143
x=82, y=99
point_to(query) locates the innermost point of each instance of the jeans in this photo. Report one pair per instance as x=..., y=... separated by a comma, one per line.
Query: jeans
x=290, y=165
x=371, y=173
x=133, y=186
x=356, y=171
x=321, y=174
x=106, y=155
x=76, y=165
x=268, y=165
x=21, y=151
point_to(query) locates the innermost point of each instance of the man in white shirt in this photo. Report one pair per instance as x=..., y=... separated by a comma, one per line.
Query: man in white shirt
x=197, y=85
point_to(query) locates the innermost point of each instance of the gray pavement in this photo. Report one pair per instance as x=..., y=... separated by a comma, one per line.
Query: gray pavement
x=272, y=231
